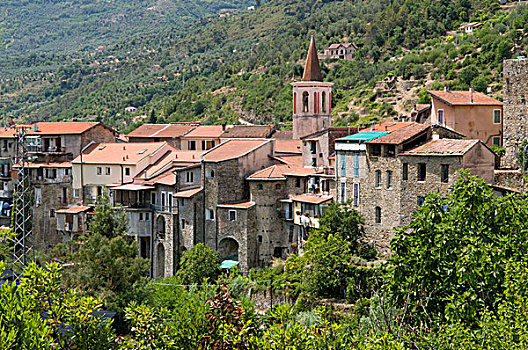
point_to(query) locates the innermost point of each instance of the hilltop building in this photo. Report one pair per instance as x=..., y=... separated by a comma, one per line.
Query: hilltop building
x=343, y=51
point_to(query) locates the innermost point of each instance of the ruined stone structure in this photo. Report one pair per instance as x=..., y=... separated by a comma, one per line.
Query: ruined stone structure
x=515, y=73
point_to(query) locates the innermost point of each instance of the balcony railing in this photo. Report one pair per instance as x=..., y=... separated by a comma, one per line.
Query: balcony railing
x=164, y=208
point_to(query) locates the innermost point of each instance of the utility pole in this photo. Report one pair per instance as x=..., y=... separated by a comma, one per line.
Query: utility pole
x=22, y=225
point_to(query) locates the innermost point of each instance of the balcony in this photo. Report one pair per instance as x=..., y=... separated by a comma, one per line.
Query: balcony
x=43, y=149
x=164, y=209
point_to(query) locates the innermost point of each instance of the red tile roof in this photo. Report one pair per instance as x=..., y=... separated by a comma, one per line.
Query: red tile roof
x=401, y=135
x=244, y=204
x=248, y=131
x=52, y=128
x=283, y=135
x=73, y=210
x=388, y=126
x=272, y=172
x=188, y=193
x=443, y=147
x=232, y=149
x=293, y=161
x=161, y=130
x=206, y=131
x=120, y=153
x=35, y=165
x=288, y=146
x=312, y=199
x=463, y=98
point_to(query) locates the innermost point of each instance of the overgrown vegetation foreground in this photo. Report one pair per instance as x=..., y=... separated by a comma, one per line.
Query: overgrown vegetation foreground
x=457, y=279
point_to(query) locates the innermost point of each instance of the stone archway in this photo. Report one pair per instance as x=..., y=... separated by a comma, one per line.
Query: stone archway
x=161, y=261
x=228, y=249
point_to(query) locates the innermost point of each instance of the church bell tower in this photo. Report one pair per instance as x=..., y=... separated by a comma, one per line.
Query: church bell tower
x=311, y=98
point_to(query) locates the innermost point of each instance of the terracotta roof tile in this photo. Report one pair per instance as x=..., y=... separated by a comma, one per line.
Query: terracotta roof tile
x=442, y=147
x=188, y=193
x=388, y=126
x=401, y=135
x=232, y=149
x=206, y=131
x=35, y=165
x=53, y=128
x=244, y=204
x=283, y=135
x=463, y=98
x=293, y=161
x=120, y=153
x=74, y=210
x=288, y=146
x=248, y=131
x=312, y=199
x=161, y=130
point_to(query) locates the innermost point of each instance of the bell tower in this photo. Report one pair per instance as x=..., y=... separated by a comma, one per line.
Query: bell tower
x=311, y=98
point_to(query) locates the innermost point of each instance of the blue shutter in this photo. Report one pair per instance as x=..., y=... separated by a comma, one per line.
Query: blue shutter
x=343, y=165
x=356, y=164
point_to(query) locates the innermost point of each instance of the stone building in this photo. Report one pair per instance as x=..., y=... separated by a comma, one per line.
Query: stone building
x=387, y=174
x=515, y=73
x=319, y=146
x=224, y=172
x=344, y=51
x=202, y=138
x=471, y=113
x=312, y=98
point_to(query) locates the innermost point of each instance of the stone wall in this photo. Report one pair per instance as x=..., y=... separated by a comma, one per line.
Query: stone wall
x=515, y=74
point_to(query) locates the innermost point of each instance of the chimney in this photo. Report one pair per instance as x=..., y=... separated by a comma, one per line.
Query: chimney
x=488, y=90
x=446, y=87
x=372, y=127
x=471, y=94
x=224, y=126
x=435, y=136
x=35, y=127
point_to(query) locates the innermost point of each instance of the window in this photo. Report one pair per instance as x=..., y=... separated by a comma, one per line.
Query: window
x=99, y=170
x=210, y=174
x=64, y=195
x=260, y=187
x=127, y=171
x=356, y=194
x=496, y=141
x=232, y=215
x=182, y=202
x=191, y=145
x=389, y=179
x=140, y=216
x=210, y=214
x=52, y=213
x=305, y=101
x=444, y=176
x=314, y=162
x=259, y=238
x=378, y=178
x=147, y=217
x=163, y=200
x=107, y=170
x=67, y=171
x=377, y=215
x=38, y=196
x=182, y=224
x=356, y=164
x=278, y=186
x=421, y=171
x=153, y=198
x=390, y=150
x=496, y=116
x=323, y=101
x=297, y=182
x=343, y=165
x=343, y=192
x=441, y=116
x=189, y=177
x=76, y=193
x=170, y=200
x=405, y=171
x=375, y=150
x=313, y=147
x=51, y=173
x=421, y=201
x=204, y=145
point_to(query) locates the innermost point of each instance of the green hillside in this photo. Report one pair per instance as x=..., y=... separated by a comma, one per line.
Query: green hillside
x=221, y=69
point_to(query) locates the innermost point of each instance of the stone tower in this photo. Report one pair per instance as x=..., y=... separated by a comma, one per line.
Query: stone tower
x=515, y=123
x=311, y=98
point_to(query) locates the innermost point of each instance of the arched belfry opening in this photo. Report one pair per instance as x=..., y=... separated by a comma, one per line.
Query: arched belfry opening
x=306, y=102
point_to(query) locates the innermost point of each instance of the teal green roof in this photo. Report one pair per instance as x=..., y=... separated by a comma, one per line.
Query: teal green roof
x=228, y=264
x=364, y=136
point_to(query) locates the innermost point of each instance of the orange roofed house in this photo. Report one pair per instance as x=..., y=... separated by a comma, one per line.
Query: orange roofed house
x=471, y=113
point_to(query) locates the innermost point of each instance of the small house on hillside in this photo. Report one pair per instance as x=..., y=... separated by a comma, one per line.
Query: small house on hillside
x=468, y=28
x=344, y=51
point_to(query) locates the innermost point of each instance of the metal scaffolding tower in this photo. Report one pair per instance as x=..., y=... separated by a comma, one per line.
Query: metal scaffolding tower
x=22, y=206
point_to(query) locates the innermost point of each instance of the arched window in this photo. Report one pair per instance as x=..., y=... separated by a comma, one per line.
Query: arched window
x=323, y=102
x=305, y=101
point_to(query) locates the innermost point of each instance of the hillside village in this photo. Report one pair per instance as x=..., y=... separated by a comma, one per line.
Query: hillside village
x=255, y=192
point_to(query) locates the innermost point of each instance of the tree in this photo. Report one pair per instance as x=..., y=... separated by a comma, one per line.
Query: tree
x=198, y=263
x=341, y=220
x=152, y=118
x=107, y=264
x=449, y=262
x=37, y=314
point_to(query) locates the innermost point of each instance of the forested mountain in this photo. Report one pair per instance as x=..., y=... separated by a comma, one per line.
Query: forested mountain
x=240, y=64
